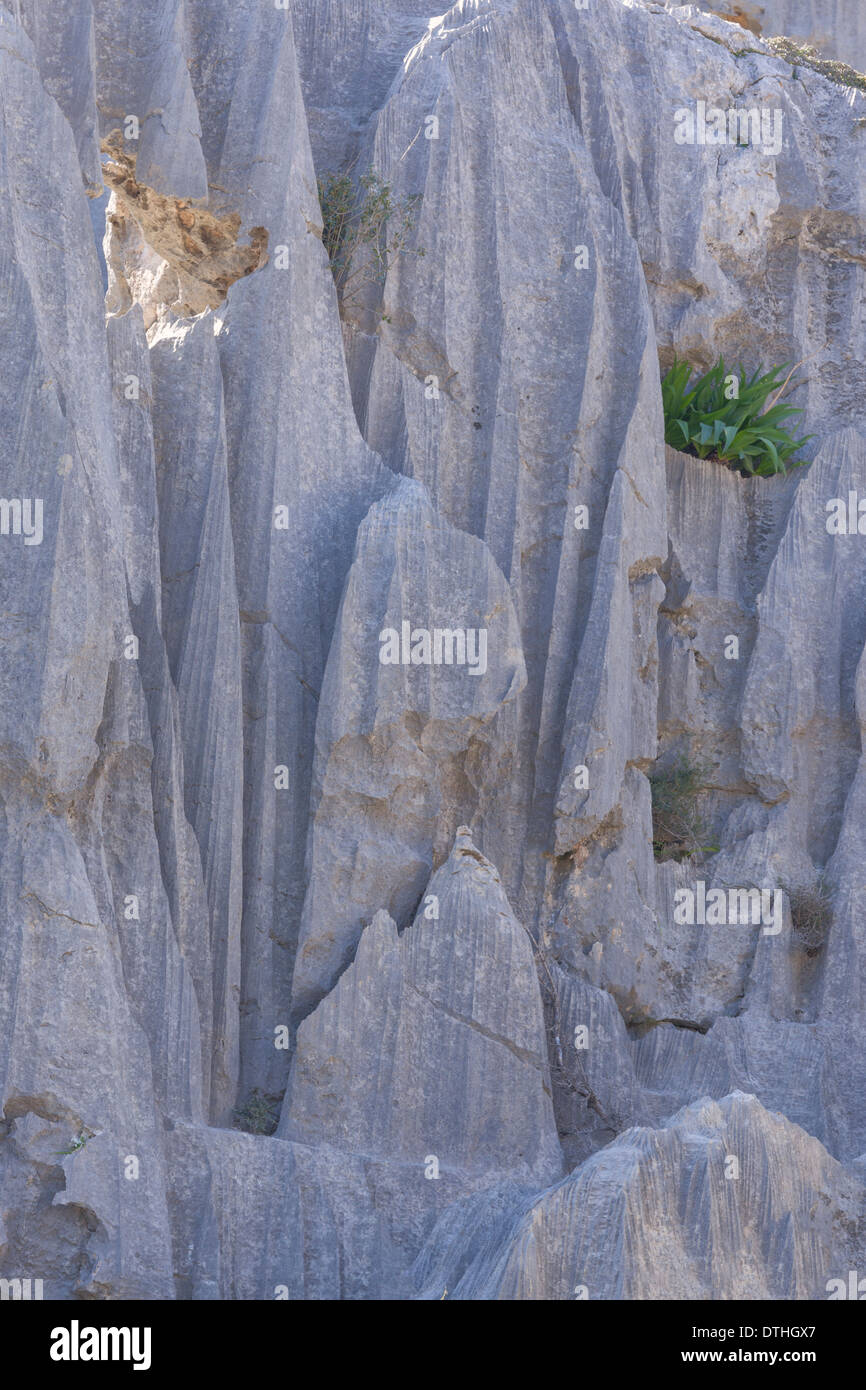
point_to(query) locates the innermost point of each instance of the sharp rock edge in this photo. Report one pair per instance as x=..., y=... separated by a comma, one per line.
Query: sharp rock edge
x=225, y=820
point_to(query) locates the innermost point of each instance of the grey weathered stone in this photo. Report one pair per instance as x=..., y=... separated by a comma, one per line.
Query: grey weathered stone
x=141, y=71
x=837, y=28
x=256, y=1217
x=434, y=1042
x=227, y=823
x=201, y=628
x=402, y=734
x=644, y=1213
x=349, y=52
x=64, y=49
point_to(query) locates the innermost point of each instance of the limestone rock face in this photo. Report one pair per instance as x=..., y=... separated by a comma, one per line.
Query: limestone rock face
x=349, y=53
x=63, y=44
x=416, y=676
x=657, y=1198
x=348, y=646
x=141, y=71
x=434, y=1041
x=836, y=28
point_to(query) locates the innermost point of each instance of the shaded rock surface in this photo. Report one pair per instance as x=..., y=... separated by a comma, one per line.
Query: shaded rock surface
x=434, y=1040
x=659, y=1198
x=403, y=918
x=415, y=678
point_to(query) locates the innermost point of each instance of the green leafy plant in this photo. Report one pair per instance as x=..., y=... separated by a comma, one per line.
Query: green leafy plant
x=259, y=1113
x=722, y=415
x=364, y=229
x=811, y=913
x=679, y=831
x=76, y=1144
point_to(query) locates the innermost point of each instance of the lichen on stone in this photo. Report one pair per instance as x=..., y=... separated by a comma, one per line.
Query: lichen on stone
x=804, y=55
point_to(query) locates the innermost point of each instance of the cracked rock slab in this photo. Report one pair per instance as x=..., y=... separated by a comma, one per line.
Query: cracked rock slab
x=433, y=1042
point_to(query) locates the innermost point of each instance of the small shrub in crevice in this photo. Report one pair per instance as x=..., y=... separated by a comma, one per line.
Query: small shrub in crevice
x=811, y=914
x=259, y=1113
x=679, y=831
x=364, y=229
x=722, y=415
x=77, y=1143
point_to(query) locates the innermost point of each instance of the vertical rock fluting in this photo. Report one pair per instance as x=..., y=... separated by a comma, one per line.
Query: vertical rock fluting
x=201, y=628
x=434, y=1040
x=250, y=868
x=397, y=743
x=657, y=1199
x=77, y=1054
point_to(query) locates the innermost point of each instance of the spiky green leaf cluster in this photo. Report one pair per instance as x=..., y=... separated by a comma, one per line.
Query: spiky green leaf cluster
x=701, y=419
